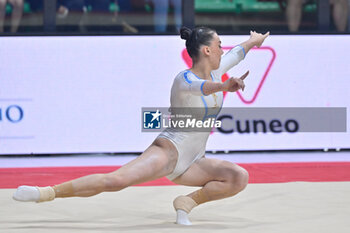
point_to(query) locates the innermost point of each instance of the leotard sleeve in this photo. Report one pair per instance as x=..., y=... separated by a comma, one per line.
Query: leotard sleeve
x=229, y=60
x=188, y=83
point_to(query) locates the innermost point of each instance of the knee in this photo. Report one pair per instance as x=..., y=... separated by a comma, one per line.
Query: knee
x=243, y=178
x=113, y=182
x=238, y=179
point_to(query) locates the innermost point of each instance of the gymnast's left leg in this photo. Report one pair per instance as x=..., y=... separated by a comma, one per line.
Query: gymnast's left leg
x=218, y=179
x=155, y=162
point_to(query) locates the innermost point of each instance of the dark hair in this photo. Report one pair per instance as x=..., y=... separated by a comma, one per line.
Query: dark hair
x=196, y=38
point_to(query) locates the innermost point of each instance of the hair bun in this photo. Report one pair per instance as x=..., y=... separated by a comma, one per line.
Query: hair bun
x=185, y=33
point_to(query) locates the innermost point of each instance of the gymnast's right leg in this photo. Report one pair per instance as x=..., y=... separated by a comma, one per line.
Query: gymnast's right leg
x=157, y=161
x=218, y=179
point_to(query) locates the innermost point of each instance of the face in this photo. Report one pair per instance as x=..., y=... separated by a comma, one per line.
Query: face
x=215, y=52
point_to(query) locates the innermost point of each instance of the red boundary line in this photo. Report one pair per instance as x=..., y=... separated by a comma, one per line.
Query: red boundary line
x=258, y=173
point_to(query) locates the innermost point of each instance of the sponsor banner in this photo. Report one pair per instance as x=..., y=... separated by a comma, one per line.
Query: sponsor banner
x=85, y=94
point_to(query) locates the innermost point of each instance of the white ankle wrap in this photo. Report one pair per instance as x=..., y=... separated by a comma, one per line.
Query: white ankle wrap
x=184, y=203
x=46, y=193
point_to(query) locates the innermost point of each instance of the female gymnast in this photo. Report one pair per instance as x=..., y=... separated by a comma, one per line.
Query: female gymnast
x=178, y=155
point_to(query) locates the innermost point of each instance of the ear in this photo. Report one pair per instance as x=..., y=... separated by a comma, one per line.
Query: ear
x=206, y=50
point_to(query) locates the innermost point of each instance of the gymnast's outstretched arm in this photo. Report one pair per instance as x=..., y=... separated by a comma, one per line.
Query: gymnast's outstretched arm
x=238, y=53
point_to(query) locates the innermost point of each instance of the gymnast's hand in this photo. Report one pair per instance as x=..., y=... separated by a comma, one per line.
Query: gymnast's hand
x=258, y=38
x=234, y=84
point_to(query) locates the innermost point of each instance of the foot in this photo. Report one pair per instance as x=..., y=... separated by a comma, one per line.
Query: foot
x=27, y=193
x=182, y=218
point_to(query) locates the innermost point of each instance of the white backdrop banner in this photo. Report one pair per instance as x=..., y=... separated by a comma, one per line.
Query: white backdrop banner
x=85, y=94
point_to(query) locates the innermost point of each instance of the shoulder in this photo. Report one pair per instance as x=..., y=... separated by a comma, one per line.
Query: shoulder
x=185, y=76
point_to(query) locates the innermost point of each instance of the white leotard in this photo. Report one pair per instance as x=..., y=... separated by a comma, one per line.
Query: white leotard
x=187, y=91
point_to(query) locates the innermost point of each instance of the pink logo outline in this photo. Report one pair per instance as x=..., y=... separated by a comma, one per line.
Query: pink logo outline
x=225, y=76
